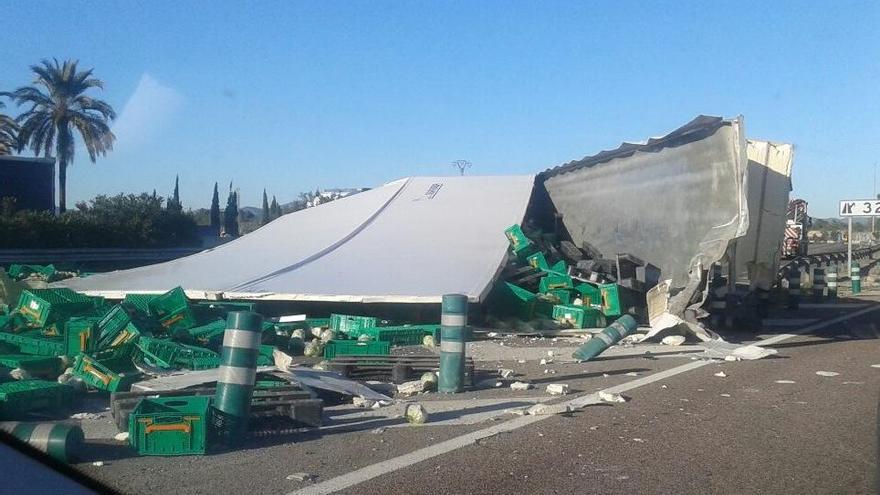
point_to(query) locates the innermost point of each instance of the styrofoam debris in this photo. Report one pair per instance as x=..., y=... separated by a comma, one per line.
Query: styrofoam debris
x=784, y=381
x=20, y=374
x=380, y=403
x=543, y=362
x=725, y=395
x=298, y=333
x=520, y=386
x=673, y=340
x=85, y=415
x=827, y=373
x=631, y=373
x=429, y=378
x=505, y=373
x=416, y=414
x=301, y=477
x=731, y=358
x=853, y=383
x=721, y=374
x=411, y=387
x=492, y=334
x=521, y=361
x=557, y=388
x=609, y=397
x=364, y=338
x=98, y=463
x=499, y=384
x=546, y=409
x=328, y=335
x=639, y=440
x=875, y=365
x=358, y=401
x=378, y=431
x=282, y=360
x=550, y=353
x=121, y=437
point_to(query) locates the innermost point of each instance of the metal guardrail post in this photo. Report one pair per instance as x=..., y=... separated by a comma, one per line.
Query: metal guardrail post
x=831, y=278
x=855, y=277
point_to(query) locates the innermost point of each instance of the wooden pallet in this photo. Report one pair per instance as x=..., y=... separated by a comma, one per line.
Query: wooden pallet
x=288, y=401
x=396, y=368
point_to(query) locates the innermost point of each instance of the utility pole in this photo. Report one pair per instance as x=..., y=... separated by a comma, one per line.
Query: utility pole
x=877, y=197
x=461, y=165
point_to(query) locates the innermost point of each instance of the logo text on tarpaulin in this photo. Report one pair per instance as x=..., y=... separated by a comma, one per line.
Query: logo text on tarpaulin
x=432, y=191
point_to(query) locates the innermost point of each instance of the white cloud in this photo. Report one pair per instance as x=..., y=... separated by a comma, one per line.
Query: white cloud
x=145, y=113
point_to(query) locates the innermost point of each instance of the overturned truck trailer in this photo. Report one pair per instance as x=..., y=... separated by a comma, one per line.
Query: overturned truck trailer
x=680, y=202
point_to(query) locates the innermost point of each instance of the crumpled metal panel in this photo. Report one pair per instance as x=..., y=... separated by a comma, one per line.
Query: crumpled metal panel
x=676, y=201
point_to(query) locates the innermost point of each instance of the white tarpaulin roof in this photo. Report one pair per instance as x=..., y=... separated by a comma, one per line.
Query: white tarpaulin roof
x=408, y=241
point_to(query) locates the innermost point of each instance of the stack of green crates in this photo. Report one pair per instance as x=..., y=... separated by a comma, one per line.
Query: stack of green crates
x=158, y=352
x=196, y=358
x=170, y=426
x=172, y=310
x=349, y=324
x=208, y=335
x=140, y=302
x=21, y=397
x=553, y=281
x=355, y=348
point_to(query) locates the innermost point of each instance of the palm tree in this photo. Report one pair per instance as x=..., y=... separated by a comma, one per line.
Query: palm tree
x=58, y=109
x=8, y=132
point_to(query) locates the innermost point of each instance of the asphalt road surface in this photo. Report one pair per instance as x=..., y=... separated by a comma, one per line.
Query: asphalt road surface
x=768, y=426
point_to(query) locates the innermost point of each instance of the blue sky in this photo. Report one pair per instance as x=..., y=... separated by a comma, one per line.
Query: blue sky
x=294, y=96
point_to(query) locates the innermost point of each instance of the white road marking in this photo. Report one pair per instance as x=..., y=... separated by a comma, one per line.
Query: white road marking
x=356, y=477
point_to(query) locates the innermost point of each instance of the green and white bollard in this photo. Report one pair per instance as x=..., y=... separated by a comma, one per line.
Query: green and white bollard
x=625, y=325
x=855, y=277
x=818, y=284
x=794, y=289
x=59, y=440
x=238, y=372
x=453, y=338
x=831, y=278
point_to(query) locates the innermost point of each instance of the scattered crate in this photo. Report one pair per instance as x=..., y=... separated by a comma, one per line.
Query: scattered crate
x=35, y=343
x=270, y=399
x=168, y=426
x=44, y=307
x=172, y=310
x=400, y=335
x=336, y=348
x=18, y=398
x=98, y=375
x=349, y=324
x=396, y=368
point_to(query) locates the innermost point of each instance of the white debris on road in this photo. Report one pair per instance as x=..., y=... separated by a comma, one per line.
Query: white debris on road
x=301, y=477
x=827, y=373
x=520, y=386
x=416, y=414
x=85, y=415
x=546, y=409
x=725, y=395
x=673, y=340
x=505, y=373
x=784, y=381
x=411, y=388
x=121, y=437
x=875, y=365
x=557, y=389
x=609, y=397
x=721, y=374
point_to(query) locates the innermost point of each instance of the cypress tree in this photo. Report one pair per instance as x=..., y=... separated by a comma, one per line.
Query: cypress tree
x=230, y=215
x=275, y=209
x=174, y=202
x=215, y=210
x=266, y=213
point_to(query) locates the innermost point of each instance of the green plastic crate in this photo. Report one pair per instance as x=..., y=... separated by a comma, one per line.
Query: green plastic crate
x=18, y=398
x=173, y=311
x=19, y=272
x=349, y=324
x=400, y=335
x=579, y=316
x=266, y=356
x=512, y=300
x=43, y=307
x=79, y=335
x=98, y=375
x=308, y=324
x=35, y=365
x=35, y=343
x=554, y=281
x=564, y=296
x=355, y=348
x=158, y=352
x=520, y=245
x=617, y=300
x=170, y=426
x=111, y=324
x=590, y=294
x=538, y=261
x=196, y=358
x=140, y=302
x=210, y=334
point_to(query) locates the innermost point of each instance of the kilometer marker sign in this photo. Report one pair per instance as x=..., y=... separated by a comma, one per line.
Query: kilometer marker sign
x=859, y=208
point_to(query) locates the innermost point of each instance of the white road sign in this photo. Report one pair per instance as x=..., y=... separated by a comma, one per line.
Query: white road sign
x=859, y=207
